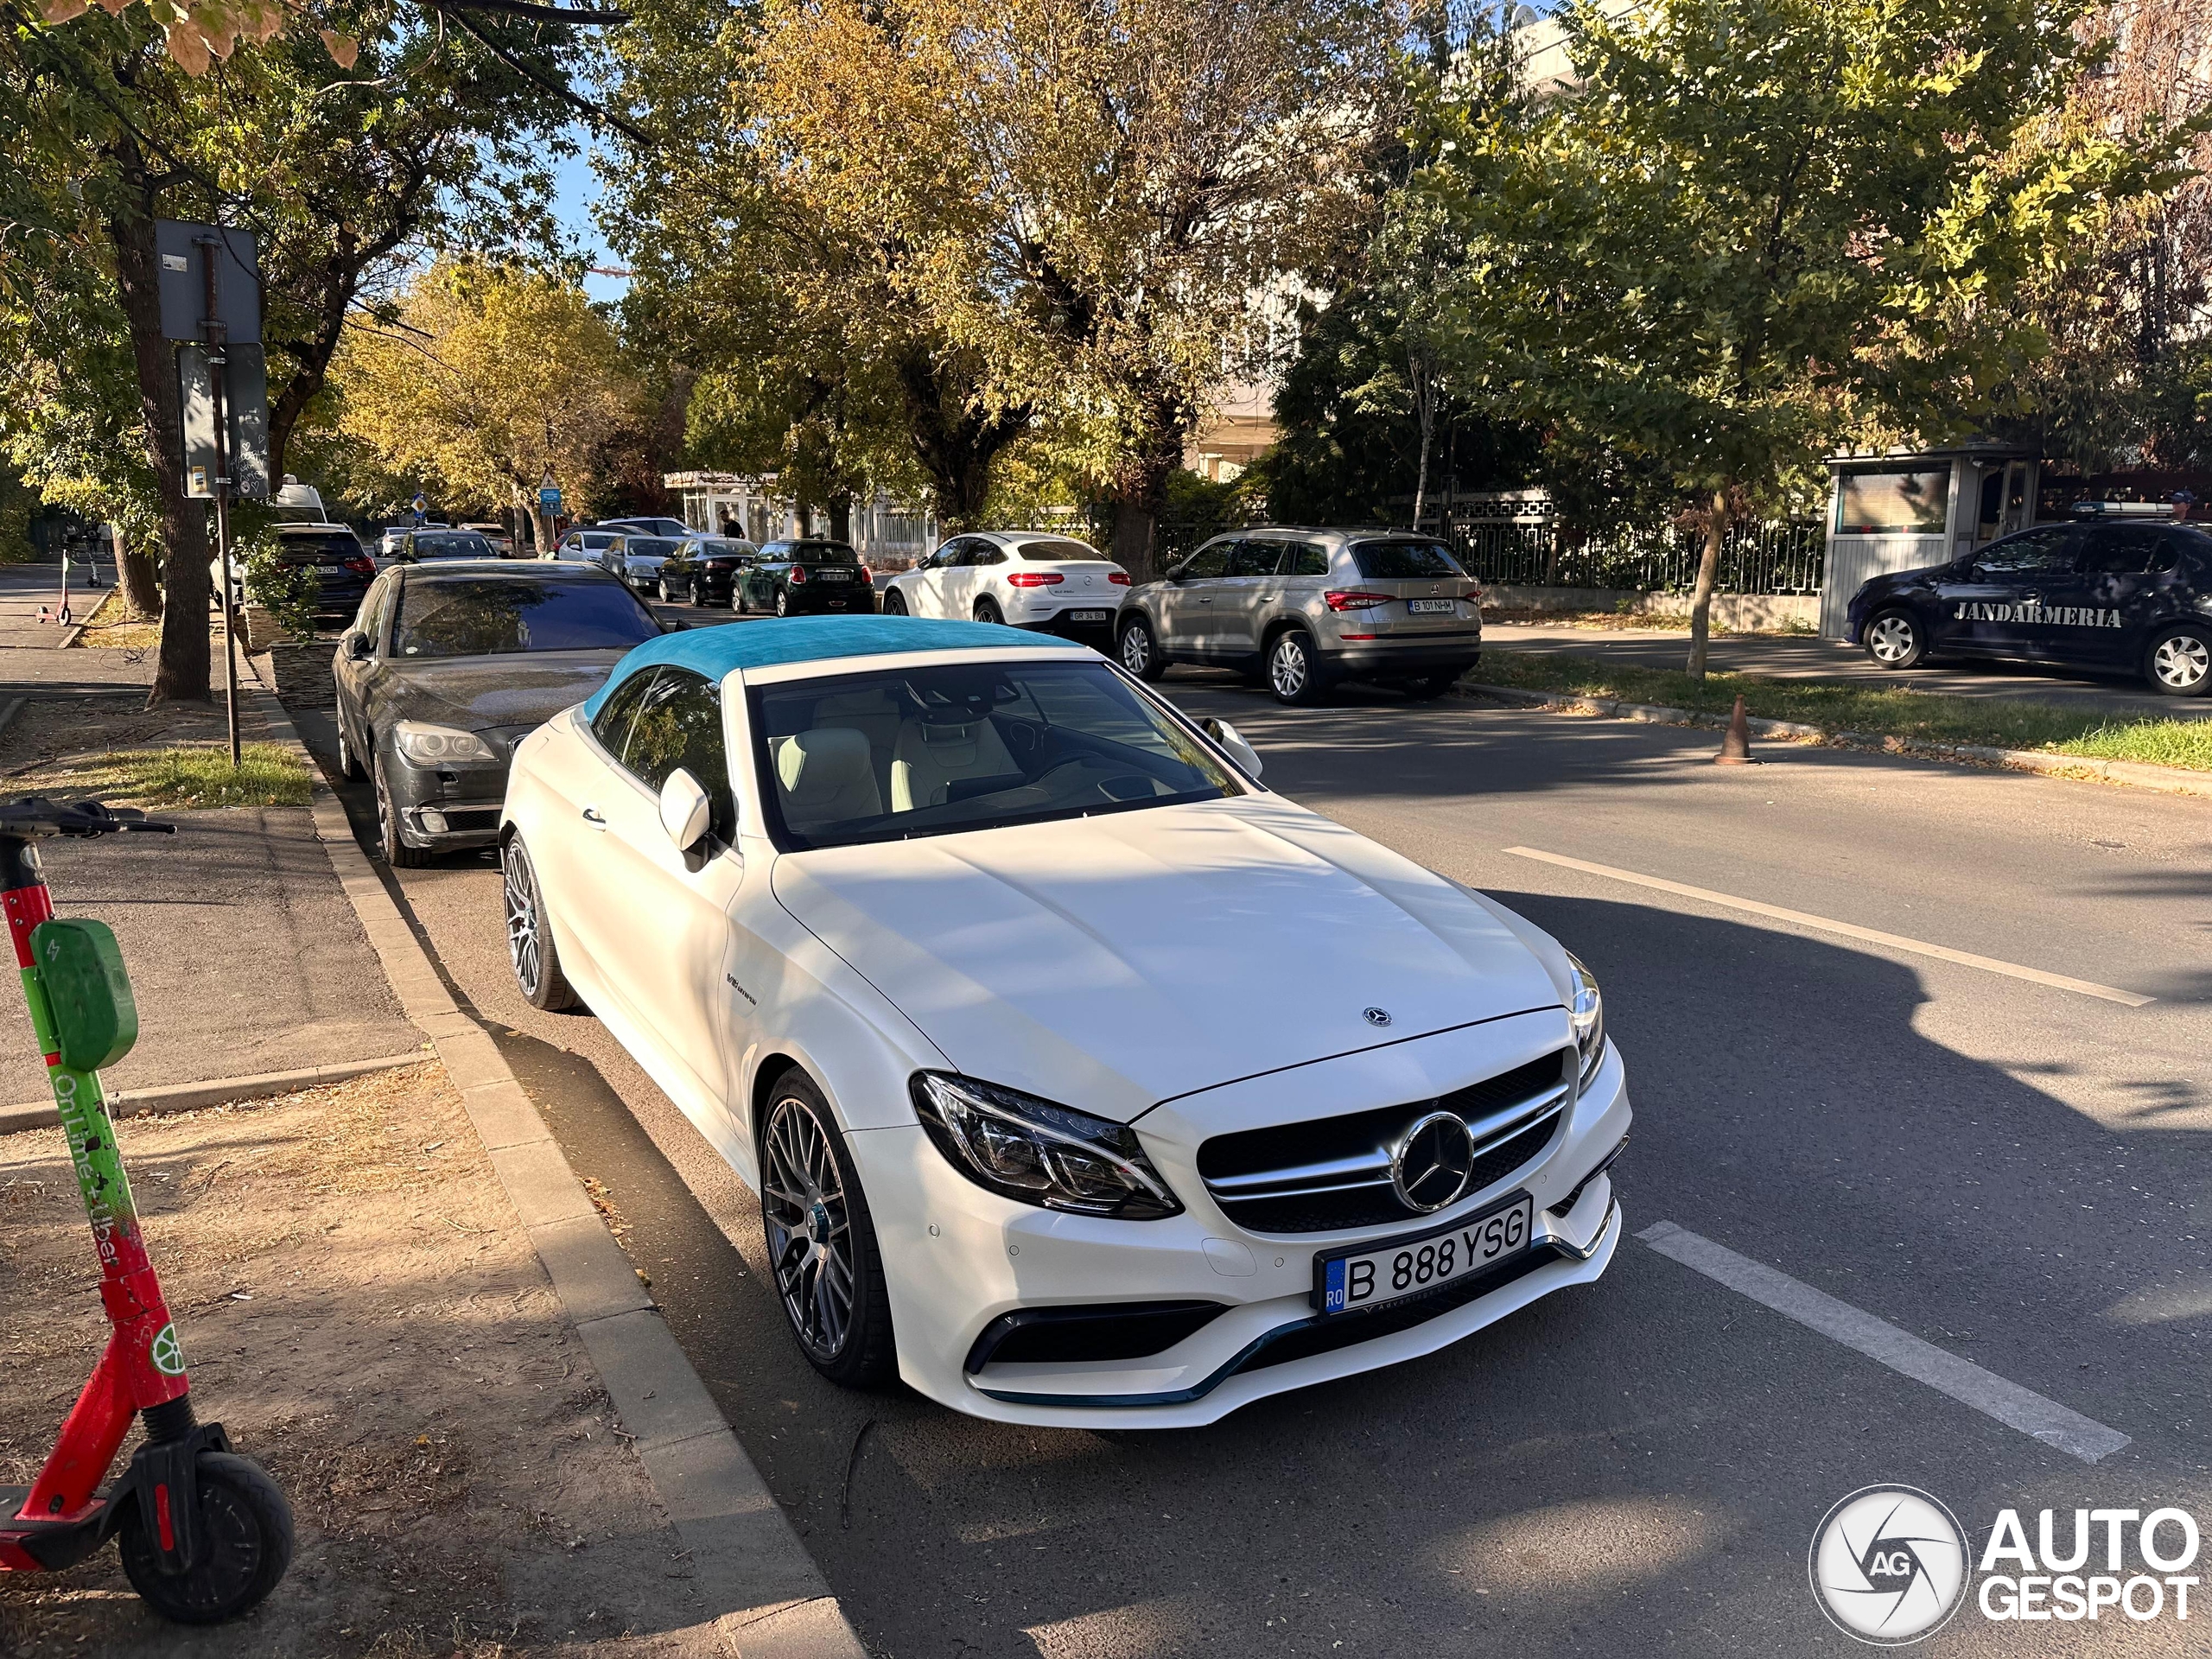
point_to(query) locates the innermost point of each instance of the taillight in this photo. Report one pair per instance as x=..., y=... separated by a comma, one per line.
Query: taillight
x=361, y=565
x=799, y=574
x=1119, y=578
x=1036, y=578
x=1353, y=599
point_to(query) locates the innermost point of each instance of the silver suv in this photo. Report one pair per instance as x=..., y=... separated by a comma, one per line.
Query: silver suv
x=1307, y=607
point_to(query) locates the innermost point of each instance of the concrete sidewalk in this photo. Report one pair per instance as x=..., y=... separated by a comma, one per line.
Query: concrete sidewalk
x=1788, y=656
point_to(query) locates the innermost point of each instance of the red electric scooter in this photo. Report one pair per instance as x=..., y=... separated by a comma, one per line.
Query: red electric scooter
x=204, y=1532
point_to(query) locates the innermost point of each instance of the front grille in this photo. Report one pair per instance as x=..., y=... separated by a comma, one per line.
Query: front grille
x=1330, y=1174
x=1069, y=1336
x=1326, y=1336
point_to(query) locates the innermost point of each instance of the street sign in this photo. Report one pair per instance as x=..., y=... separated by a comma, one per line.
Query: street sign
x=180, y=253
x=548, y=499
x=245, y=390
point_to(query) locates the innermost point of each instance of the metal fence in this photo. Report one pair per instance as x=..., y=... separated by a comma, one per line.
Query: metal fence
x=1770, y=558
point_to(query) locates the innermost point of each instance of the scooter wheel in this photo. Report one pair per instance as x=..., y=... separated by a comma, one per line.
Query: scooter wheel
x=245, y=1531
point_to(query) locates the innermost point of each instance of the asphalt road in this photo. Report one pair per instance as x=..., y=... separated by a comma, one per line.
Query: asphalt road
x=2012, y=1172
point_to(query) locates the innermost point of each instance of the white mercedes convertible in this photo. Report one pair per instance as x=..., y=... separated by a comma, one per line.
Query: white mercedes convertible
x=1084, y=1080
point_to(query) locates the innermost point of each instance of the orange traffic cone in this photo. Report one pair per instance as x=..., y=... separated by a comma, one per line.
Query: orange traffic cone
x=1736, y=746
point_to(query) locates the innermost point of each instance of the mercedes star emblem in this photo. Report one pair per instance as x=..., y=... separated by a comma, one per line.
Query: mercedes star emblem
x=1378, y=1016
x=1431, y=1165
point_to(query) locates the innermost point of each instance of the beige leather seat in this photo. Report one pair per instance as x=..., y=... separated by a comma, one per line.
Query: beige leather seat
x=825, y=776
x=928, y=758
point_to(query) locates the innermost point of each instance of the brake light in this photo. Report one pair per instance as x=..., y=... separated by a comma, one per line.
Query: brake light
x=1035, y=578
x=799, y=574
x=1119, y=578
x=1353, y=599
x=361, y=565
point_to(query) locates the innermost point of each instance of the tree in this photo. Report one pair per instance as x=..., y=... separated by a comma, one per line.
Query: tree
x=1757, y=224
x=1093, y=201
x=484, y=377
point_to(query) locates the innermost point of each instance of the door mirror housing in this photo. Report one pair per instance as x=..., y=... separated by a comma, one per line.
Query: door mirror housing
x=685, y=809
x=1233, y=740
x=356, y=645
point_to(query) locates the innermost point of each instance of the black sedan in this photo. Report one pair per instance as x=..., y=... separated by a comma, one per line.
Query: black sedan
x=449, y=666
x=703, y=570
x=806, y=578
x=2126, y=596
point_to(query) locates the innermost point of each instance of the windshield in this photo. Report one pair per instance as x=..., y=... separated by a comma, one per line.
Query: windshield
x=462, y=546
x=492, y=616
x=968, y=746
x=648, y=547
x=1404, y=561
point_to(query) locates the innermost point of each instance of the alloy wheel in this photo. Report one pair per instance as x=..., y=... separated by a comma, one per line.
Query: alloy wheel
x=525, y=937
x=1287, y=668
x=809, y=1227
x=1136, y=650
x=2181, y=661
x=1891, y=639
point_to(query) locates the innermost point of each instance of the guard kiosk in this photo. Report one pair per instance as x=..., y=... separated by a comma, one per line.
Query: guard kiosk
x=1907, y=509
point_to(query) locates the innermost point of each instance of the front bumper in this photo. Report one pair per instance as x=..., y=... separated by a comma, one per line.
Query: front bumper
x=445, y=809
x=959, y=1259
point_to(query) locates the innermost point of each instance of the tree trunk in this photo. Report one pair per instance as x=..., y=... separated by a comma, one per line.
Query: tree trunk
x=1136, y=523
x=840, y=516
x=181, y=675
x=1424, y=384
x=953, y=439
x=1708, y=570
x=138, y=575
x=1141, y=485
x=542, y=523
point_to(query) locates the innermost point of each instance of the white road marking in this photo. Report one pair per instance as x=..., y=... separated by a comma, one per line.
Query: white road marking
x=1850, y=930
x=1907, y=1354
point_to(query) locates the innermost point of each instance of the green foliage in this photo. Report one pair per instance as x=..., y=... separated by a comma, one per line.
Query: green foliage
x=286, y=591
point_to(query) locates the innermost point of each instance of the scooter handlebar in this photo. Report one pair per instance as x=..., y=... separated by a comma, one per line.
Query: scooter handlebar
x=36, y=816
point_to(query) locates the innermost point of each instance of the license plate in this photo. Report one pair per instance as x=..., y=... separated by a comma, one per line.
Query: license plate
x=1431, y=606
x=1087, y=616
x=1376, y=1274
x=832, y=575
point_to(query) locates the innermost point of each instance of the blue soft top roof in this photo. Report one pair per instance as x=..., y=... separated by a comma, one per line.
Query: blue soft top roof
x=772, y=643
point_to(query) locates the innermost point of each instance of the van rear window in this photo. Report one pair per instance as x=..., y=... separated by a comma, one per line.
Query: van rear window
x=1404, y=561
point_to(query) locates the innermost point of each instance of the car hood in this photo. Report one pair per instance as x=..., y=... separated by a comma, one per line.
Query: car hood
x=1116, y=962
x=505, y=695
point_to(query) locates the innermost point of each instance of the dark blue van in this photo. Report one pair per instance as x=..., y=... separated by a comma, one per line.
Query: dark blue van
x=2130, y=596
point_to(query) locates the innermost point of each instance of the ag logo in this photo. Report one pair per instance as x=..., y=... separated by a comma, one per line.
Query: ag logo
x=167, y=1355
x=1889, y=1565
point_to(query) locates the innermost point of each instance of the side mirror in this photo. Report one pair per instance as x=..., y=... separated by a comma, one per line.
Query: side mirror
x=685, y=809
x=1229, y=739
x=356, y=645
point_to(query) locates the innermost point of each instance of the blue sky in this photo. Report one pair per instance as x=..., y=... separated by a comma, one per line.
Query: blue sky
x=575, y=192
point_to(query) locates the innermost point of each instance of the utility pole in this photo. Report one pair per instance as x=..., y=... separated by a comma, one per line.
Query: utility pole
x=212, y=334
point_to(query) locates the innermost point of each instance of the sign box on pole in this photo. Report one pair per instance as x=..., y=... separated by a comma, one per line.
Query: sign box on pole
x=245, y=385
x=181, y=264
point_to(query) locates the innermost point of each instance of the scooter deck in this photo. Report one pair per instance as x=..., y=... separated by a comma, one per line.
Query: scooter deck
x=28, y=1545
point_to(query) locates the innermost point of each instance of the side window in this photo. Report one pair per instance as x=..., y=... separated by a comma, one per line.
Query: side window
x=1211, y=560
x=679, y=723
x=376, y=606
x=2044, y=552
x=1256, y=559
x=1306, y=559
x=2130, y=550
x=987, y=553
x=610, y=726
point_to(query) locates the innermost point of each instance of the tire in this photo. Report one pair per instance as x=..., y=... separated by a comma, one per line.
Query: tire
x=396, y=853
x=1139, y=650
x=815, y=1218
x=987, y=610
x=738, y=604
x=1894, y=639
x=1294, y=674
x=349, y=764
x=667, y=593
x=1430, y=687
x=894, y=603
x=246, y=1536
x=530, y=951
x=783, y=601
x=2179, y=662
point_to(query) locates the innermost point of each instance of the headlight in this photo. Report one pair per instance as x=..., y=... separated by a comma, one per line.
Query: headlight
x=441, y=745
x=1023, y=1148
x=1586, y=1013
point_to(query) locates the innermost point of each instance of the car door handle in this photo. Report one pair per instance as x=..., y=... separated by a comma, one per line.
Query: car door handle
x=594, y=818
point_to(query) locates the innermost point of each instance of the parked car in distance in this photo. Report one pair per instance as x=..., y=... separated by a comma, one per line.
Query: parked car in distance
x=1054, y=584
x=675, y=529
x=638, y=558
x=419, y=546
x=805, y=576
x=584, y=546
x=1306, y=609
x=342, y=567
x=1085, y=1081
x=2128, y=596
x=703, y=570
x=502, y=539
x=447, y=665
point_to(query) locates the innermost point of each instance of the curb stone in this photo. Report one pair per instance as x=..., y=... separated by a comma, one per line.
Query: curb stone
x=2166, y=780
x=189, y=1096
x=767, y=1598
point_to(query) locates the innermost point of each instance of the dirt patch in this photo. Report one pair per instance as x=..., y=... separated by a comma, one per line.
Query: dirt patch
x=361, y=1309
x=114, y=626
x=115, y=749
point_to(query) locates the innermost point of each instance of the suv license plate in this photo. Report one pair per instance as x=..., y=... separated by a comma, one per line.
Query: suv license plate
x=1087, y=616
x=1389, y=1272
x=1431, y=606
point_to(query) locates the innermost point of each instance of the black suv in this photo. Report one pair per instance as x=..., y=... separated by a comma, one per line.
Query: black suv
x=800, y=578
x=703, y=570
x=2131, y=595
